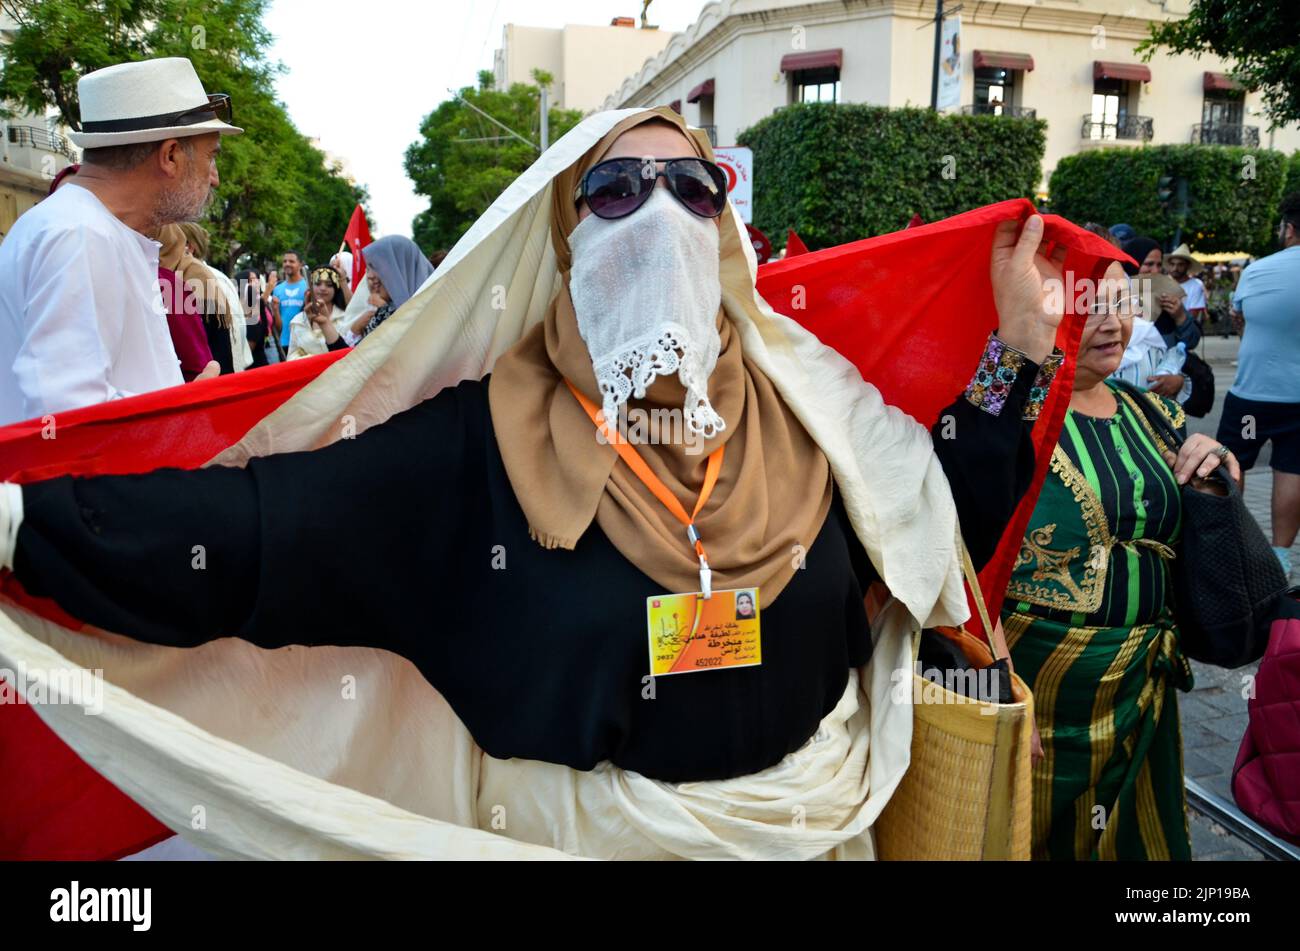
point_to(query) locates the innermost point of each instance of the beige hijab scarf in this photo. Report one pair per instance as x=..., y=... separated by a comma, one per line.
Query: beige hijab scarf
x=194, y=274
x=775, y=487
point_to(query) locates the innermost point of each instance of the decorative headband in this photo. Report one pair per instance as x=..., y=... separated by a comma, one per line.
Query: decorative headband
x=326, y=275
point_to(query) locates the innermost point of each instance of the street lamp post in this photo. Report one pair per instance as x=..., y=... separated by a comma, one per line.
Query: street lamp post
x=938, y=52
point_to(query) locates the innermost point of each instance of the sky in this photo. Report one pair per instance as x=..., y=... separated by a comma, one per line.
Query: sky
x=361, y=76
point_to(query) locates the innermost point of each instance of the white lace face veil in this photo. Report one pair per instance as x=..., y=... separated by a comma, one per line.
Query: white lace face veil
x=646, y=291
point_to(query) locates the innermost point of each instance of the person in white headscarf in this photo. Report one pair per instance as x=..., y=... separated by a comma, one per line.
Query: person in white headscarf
x=342, y=262
x=490, y=637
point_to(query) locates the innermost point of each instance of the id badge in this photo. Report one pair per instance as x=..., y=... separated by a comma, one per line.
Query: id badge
x=689, y=633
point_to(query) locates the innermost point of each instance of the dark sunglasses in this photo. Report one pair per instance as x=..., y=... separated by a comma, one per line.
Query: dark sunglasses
x=617, y=187
x=218, y=107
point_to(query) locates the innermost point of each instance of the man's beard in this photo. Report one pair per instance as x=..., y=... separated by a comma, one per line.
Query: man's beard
x=180, y=205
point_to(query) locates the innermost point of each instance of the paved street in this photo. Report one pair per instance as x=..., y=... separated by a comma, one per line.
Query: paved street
x=1214, y=713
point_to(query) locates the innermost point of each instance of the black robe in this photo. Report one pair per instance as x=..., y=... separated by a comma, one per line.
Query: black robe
x=542, y=654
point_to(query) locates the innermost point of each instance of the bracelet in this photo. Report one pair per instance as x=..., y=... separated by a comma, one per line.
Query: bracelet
x=998, y=369
x=1043, y=384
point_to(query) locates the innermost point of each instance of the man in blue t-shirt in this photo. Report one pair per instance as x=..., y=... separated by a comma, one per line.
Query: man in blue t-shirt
x=289, y=295
x=1264, y=402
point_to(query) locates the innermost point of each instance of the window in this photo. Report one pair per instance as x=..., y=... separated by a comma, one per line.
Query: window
x=1223, y=107
x=1109, y=108
x=1223, y=113
x=994, y=90
x=817, y=85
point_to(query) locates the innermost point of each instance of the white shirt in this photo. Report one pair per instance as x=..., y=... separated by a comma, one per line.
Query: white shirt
x=1195, y=294
x=81, y=310
x=1148, y=355
x=308, y=340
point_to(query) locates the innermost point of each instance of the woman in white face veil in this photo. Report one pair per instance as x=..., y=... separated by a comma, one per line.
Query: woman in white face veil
x=481, y=663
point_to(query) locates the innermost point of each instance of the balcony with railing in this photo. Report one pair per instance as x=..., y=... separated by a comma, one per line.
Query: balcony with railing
x=1225, y=133
x=998, y=109
x=37, y=138
x=1121, y=129
x=30, y=155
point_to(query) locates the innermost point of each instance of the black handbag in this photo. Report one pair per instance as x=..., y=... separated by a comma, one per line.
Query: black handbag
x=1201, y=400
x=1227, y=580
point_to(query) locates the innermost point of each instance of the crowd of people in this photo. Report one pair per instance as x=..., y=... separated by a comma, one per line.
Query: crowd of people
x=1088, y=616
x=1263, y=404
x=126, y=216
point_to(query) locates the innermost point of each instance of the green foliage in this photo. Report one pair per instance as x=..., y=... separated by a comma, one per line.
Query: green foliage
x=838, y=173
x=463, y=161
x=277, y=191
x=1261, y=36
x=1232, y=192
x=1292, y=184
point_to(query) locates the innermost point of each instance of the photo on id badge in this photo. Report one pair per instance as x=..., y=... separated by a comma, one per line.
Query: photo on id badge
x=689, y=633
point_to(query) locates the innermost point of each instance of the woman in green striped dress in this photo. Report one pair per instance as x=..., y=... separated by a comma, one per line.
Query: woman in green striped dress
x=1089, y=620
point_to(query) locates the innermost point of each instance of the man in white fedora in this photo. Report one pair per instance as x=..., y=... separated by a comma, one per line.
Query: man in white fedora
x=1183, y=268
x=82, y=319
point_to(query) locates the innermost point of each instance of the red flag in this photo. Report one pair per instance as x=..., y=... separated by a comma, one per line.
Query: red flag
x=912, y=310
x=356, y=238
x=794, y=245
x=55, y=806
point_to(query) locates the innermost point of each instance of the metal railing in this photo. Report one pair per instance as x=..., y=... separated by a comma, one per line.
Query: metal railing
x=995, y=109
x=1238, y=823
x=1136, y=128
x=38, y=138
x=712, y=132
x=1225, y=133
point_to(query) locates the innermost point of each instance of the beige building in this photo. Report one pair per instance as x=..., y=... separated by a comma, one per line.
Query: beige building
x=586, y=61
x=1070, y=62
x=33, y=150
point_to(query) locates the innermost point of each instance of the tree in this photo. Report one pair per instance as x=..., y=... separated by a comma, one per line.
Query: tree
x=463, y=160
x=1232, y=193
x=1261, y=36
x=837, y=173
x=277, y=191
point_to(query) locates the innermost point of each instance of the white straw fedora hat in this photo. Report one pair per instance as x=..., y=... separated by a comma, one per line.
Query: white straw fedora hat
x=148, y=101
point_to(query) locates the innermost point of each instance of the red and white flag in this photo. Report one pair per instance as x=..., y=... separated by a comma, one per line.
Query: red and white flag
x=356, y=238
x=912, y=310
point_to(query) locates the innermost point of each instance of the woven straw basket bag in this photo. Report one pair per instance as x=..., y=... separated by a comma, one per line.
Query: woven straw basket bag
x=967, y=793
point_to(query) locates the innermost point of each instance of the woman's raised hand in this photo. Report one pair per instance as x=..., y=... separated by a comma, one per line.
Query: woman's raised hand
x=1030, y=306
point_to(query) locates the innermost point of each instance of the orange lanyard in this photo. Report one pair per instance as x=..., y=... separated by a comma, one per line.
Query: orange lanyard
x=656, y=486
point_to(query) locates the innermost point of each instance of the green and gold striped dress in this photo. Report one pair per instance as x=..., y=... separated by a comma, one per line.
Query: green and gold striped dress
x=1089, y=622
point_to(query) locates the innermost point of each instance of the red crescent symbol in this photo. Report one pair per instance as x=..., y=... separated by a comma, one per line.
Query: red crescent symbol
x=731, y=176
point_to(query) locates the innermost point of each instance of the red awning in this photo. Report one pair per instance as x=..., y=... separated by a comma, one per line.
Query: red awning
x=813, y=59
x=1220, y=82
x=1134, y=72
x=992, y=59
x=676, y=106
x=699, y=92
